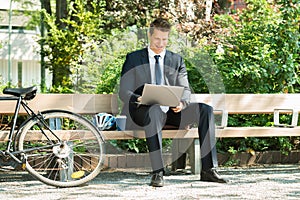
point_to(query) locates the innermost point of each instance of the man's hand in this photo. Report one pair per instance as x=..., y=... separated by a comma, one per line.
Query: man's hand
x=178, y=108
x=139, y=99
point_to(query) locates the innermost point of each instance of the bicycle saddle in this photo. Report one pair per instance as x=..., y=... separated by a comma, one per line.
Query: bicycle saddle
x=27, y=93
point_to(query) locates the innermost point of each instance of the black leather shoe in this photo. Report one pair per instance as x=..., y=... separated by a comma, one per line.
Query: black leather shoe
x=211, y=175
x=157, y=180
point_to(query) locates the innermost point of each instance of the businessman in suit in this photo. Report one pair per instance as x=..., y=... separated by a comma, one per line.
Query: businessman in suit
x=157, y=65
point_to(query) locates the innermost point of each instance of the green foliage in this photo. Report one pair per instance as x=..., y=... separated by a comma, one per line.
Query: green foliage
x=109, y=79
x=65, y=48
x=2, y=86
x=261, y=52
x=135, y=145
x=113, y=53
x=282, y=144
x=61, y=89
x=196, y=82
x=204, y=75
x=256, y=52
x=138, y=145
x=260, y=55
x=102, y=66
x=231, y=161
x=2, y=145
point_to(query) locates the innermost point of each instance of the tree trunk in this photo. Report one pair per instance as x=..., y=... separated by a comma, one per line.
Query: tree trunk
x=61, y=12
x=208, y=9
x=47, y=6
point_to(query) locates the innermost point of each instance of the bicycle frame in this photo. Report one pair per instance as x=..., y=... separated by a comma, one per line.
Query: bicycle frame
x=30, y=113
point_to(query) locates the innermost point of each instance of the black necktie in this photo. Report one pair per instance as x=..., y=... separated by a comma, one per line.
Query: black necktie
x=158, y=75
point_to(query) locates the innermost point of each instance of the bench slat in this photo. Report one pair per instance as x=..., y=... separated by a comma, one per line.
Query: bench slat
x=95, y=103
x=119, y=135
x=78, y=103
x=228, y=132
x=249, y=103
x=257, y=132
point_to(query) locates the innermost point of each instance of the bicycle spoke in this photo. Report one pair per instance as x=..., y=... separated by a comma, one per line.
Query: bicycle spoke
x=77, y=157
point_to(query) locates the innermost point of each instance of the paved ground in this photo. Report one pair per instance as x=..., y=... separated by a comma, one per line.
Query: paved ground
x=261, y=182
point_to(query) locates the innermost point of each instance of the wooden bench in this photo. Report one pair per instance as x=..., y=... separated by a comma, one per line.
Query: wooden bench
x=224, y=105
x=184, y=140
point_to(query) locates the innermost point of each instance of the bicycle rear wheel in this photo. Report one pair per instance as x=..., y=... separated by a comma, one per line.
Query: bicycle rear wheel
x=71, y=157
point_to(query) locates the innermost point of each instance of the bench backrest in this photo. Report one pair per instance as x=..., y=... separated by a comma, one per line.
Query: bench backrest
x=95, y=103
x=78, y=103
x=250, y=103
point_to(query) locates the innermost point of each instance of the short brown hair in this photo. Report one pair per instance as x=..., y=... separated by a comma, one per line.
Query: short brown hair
x=160, y=24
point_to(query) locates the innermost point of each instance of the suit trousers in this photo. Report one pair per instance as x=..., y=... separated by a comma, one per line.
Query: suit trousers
x=152, y=119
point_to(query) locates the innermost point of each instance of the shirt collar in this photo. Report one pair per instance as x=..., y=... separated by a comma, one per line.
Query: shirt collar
x=152, y=54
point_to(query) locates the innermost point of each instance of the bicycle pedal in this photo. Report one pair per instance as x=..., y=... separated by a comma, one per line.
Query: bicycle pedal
x=8, y=164
x=23, y=166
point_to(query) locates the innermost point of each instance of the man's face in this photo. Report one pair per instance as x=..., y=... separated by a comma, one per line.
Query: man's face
x=158, y=40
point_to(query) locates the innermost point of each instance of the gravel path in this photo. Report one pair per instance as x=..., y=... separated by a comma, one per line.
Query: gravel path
x=261, y=182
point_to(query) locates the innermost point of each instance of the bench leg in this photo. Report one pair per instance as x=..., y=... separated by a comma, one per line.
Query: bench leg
x=195, y=156
x=179, y=149
x=175, y=154
x=178, y=154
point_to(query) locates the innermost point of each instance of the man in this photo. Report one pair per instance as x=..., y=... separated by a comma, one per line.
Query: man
x=139, y=69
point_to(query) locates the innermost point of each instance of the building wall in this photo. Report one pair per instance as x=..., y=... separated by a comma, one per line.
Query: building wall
x=24, y=73
x=25, y=65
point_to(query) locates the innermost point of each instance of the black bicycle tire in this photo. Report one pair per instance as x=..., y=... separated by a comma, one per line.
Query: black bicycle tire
x=74, y=116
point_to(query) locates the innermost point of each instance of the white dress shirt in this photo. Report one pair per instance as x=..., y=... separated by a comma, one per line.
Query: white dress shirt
x=152, y=69
x=152, y=64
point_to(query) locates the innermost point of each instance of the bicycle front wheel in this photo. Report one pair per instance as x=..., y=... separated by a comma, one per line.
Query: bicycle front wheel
x=62, y=149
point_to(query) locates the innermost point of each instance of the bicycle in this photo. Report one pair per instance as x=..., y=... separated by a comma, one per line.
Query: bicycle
x=57, y=147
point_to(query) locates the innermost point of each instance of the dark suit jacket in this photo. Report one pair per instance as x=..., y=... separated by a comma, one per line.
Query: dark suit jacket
x=136, y=72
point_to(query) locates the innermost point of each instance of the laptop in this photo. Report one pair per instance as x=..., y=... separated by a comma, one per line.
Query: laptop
x=161, y=94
